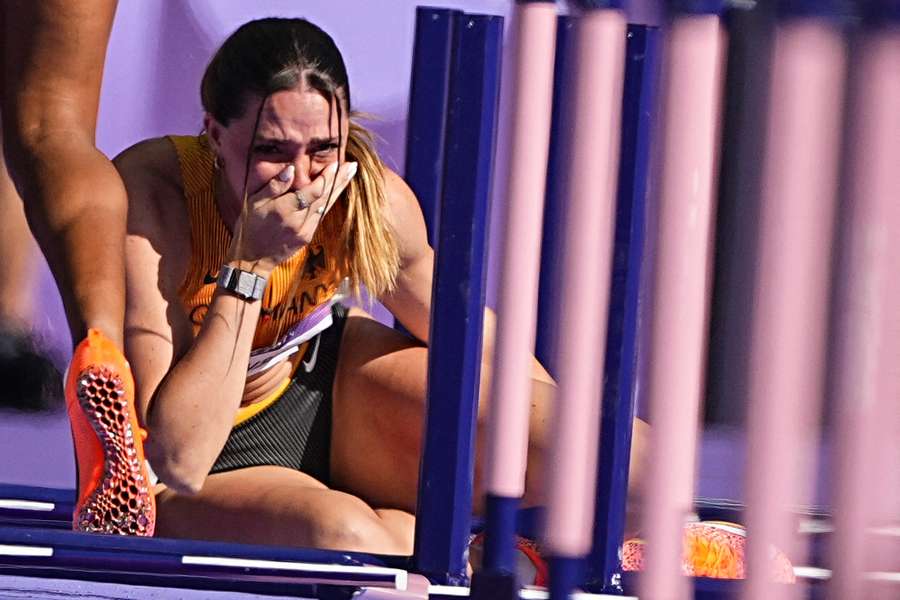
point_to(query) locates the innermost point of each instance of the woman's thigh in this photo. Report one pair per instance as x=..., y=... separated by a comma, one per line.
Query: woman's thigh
x=280, y=506
x=378, y=406
x=379, y=410
x=378, y=419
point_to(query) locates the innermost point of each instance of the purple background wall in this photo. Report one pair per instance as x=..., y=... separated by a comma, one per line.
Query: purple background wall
x=157, y=53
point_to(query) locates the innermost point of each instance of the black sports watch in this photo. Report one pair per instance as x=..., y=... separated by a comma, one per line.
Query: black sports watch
x=243, y=284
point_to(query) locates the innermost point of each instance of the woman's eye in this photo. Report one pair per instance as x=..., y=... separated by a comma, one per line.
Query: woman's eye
x=265, y=149
x=326, y=150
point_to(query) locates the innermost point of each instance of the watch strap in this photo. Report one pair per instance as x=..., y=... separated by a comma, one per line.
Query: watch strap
x=244, y=284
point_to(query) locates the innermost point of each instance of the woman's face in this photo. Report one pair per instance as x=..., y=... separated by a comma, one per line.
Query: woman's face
x=297, y=127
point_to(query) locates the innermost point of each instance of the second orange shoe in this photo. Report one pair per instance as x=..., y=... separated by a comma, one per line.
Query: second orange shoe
x=712, y=549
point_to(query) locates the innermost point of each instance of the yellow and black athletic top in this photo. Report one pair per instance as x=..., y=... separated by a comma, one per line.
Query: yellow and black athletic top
x=314, y=268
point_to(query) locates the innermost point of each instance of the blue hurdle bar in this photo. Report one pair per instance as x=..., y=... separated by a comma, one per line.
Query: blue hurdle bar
x=426, y=129
x=638, y=109
x=530, y=93
x=623, y=330
x=26, y=505
x=552, y=246
x=454, y=361
x=191, y=564
x=606, y=20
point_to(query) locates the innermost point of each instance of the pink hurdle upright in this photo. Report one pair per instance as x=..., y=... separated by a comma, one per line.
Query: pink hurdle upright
x=534, y=48
x=867, y=346
x=589, y=215
x=799, y=191
x=693, y=57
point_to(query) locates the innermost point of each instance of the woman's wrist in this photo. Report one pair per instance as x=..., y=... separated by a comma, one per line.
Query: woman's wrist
x=261, y=267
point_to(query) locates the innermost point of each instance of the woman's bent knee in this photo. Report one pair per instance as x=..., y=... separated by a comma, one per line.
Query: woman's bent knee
x=354, y=526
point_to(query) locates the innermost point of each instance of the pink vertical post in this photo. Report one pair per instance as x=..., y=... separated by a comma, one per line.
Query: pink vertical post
x=867, y=364
x=531, y=103
x=591, y=172
x=788, y=331
x=690, y=114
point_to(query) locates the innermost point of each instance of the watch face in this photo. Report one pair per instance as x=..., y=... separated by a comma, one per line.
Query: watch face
x=244, y=284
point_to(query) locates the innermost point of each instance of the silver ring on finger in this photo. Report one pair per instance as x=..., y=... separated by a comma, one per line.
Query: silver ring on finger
x=302, y=203
x=320, y=211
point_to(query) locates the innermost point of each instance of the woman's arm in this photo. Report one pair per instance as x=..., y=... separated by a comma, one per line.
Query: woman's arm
x=411, y=301
x=188, y=391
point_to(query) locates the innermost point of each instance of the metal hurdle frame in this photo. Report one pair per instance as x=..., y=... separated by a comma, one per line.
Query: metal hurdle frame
x=429, y=97
x=623, y=346
x=691, y=88
x=604, y=565
x=867, y=324
x=445, y=487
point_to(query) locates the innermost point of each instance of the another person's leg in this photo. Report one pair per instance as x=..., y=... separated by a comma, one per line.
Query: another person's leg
x=19, y=252
x=31, y=380
x=276, y=505
x=75, y=204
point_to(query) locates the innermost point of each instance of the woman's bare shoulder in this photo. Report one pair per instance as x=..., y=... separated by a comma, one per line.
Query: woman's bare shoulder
x=150, y=167
x=400, y=199
x=156, y=210
x=152, y=178
x=406, y=220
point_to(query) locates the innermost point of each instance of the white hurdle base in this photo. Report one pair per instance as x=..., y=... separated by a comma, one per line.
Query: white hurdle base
x=447, y=592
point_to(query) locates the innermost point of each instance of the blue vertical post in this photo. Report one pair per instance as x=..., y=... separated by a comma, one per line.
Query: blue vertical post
x=620, y=381
x=426, y=130
x=550, y=294
x=497, y=579
x=570, y=572
x=454, y=360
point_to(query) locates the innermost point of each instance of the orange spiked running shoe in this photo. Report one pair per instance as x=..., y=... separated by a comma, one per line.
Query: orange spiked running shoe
x=113, y=485
x=711, y=549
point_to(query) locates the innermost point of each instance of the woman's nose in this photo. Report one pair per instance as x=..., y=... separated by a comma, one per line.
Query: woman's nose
x=302, y=173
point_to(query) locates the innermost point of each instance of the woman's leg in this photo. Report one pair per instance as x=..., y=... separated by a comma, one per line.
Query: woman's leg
x=379, y=405
x=276, y=505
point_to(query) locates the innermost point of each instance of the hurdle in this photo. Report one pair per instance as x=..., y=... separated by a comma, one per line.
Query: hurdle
x=866, y=383
x=444, y=512
x=592, y=173
x=797, y=211
x=650, y=241
x=531, y=77
x=689, y=123
x=604, y=565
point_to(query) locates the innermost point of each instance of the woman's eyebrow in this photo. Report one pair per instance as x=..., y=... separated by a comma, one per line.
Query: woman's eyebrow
x=262, y=139
x=323, y=141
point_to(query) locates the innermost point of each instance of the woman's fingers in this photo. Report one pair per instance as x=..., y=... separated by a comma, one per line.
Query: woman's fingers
x=319, y=186
x=334, y=182
x=276, y=187
x=320, y=195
